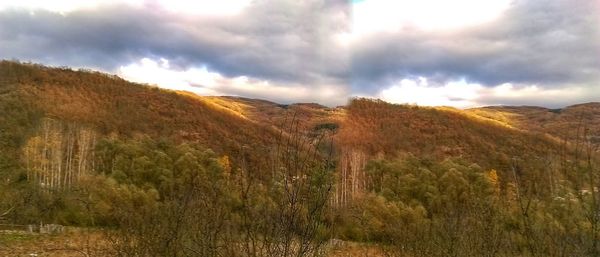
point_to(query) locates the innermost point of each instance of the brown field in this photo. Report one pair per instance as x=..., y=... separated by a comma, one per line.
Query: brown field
x=93, y=243
x=74, y=242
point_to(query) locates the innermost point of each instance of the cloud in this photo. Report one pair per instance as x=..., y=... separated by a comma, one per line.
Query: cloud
x=325, y=51
x=558, y=97
x=390, y=16
x=418, y=91
x=197, y=80
x=204, y=82
x=461, y=94
x=548, y=43
x=283, y=42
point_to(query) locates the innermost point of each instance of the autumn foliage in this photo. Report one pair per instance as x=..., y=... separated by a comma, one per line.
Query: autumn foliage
x=177, y=174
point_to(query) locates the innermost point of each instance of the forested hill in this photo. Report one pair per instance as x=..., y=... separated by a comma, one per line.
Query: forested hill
x=85, y=148
x=311, y=116
x=32, y=95
x=379, y=128
x=565, y=123
x=376, y=130
x=112, y=106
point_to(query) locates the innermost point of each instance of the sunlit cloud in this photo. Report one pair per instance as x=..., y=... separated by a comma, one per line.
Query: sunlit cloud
x=507, y=94
x=197, y=80
x=205, y=7
x=204, y=82
x=461, y=94
x=418, y=91
x=389, y=16
x=377, y=16
x=458, y=53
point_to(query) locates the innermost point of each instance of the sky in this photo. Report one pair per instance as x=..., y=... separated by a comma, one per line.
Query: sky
x=460, y=53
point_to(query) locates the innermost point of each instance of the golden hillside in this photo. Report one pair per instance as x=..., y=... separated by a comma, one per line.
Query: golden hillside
x=572, y=122
x=116, y=107
x=379, y=128
x=490, y=136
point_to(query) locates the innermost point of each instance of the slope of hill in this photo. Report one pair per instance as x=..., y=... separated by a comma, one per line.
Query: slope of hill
x=568, y=123
x=109, y=105
x=438, y=132
x=86, y=148
x=309, y=115
x=375, y=129
x=112, y=106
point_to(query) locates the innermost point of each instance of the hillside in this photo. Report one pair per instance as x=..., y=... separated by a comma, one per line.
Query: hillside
x=310, y=116
x=112, y=106
x=61, y=99
x=84, y=148
x=375, y=129
x=566, y=123
x=438, y=132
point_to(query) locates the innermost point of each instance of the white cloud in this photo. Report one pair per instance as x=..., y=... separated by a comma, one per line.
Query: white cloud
x=205, y=7
x=508, y=94
x=204, y=82
x=371, y=16
x=393, y=16
x=418, y=91
x=461, y=94
x=197, y=80
x=309, y=51
x=508, y=90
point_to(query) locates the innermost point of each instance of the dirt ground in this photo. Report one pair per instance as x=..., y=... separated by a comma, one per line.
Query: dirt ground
x=77, y=242
x=72, y=243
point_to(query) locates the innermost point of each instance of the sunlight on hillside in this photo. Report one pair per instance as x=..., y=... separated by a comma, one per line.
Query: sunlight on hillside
x=234, y=108
x=503, y=118
x=379, y=173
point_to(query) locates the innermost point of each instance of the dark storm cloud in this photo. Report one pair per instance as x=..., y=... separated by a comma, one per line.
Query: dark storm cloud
x=549, y=43
x=286, y=41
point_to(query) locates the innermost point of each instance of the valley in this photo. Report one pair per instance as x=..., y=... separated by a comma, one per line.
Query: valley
x=146, y=171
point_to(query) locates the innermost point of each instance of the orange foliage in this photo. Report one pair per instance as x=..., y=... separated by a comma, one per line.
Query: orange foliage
x=376, y=127
x=115, y=106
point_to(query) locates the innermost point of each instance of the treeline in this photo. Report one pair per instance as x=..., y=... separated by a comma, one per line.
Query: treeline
x=187, y=202
x=159, y=198
x=421, y=207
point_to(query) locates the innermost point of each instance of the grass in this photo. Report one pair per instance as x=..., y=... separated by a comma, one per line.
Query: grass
x=91, y=242
x=15, y=237
x=74, y=242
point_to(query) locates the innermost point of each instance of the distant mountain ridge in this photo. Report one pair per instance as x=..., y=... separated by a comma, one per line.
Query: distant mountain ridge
x=563, y=123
